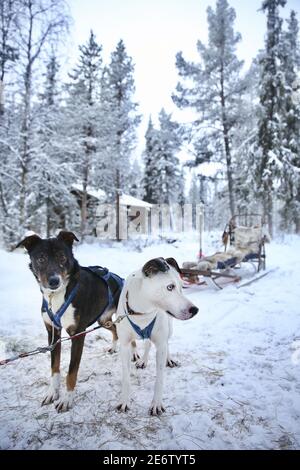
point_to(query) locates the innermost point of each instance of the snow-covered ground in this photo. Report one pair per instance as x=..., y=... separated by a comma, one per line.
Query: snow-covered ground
x=238, y=386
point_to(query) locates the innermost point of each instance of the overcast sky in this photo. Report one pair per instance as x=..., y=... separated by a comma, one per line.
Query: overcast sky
x=154, y=30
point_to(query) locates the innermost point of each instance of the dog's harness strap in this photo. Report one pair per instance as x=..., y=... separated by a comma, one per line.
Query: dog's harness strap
x=55, y=318
x=144, y=333
x=114, y=284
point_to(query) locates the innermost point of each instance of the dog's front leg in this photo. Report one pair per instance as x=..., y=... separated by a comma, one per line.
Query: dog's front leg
x=125, y=351
x=170, y=361
x=53, y=391
x=142, y=363
x=65, y=403
x=156, y=407
x=134, y=354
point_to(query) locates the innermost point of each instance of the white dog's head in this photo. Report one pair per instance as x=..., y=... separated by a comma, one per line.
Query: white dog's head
x=160, y=285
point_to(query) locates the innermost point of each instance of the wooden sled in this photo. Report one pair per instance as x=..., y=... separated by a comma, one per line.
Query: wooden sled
x=215, y=279
x=249, y=240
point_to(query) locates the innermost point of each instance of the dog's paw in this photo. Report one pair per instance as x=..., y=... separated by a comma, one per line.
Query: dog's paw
x=156, y=409
x=112, y=350
x=123, y=407
x=51, y=396
x=140, y=364
x=171, y=363
x=134, y=356
x=65, y=403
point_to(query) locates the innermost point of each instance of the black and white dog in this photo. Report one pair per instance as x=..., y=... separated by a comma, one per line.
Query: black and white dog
x=78, y=293
x=151, y=297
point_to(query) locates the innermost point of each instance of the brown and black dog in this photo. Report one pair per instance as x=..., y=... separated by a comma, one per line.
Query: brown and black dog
x=65, y=284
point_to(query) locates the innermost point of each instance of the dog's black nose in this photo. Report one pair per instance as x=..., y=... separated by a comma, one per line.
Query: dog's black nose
x=193, y=310
x=53, y=282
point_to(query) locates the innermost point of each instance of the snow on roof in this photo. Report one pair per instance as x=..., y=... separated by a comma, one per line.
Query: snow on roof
x=97, y=193
x=127, y=200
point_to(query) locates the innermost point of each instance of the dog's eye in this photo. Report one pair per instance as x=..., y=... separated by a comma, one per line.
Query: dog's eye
x=41, y=259
x=62, y=259
x=171, y=287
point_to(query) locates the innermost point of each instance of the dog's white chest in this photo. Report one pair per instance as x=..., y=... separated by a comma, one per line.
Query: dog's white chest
x=55, y=302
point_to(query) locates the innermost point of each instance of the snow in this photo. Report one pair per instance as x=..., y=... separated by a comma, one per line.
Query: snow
x=127, y=200
x=96, y=193
x=237, y=387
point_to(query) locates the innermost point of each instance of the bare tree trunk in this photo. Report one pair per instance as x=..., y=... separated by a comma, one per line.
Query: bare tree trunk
x=48, y=218
x=225, y=131
x=85, y=180
x=118, y=205
x=7, y=14
x=25, y=149
x=2, y=200
x=268, y=209
x=84, y=203
x=1, y=98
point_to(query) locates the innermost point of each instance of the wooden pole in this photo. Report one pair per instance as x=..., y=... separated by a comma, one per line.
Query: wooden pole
x=201, y=231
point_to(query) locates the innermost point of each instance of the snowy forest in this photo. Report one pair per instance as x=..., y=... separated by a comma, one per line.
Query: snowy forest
x=63, y=131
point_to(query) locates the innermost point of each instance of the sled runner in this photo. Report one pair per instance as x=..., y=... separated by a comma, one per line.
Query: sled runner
x=242, y=244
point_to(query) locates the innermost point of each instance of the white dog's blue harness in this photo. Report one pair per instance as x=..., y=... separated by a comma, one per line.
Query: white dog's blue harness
x=144, y=333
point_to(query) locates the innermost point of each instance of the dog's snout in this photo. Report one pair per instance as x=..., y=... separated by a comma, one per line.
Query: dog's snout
x=193, y=310
x=54, y=282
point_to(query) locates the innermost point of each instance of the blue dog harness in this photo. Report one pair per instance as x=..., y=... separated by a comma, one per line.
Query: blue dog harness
x=55, y=318
x=113, y=282
x=144, y=333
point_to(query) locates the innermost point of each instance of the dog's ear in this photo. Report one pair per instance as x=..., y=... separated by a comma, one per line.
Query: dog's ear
x=172, y=262
x=154, y=266
x=67, y=237
x=29, y=242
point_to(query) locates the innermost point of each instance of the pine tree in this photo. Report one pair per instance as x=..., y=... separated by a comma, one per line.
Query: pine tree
x=52, y=171
x=290, y=179
x=193, y=197
x=243, y=145
x=118, y=131
x=150, y=171
x=166, y=182
x=135, y=187
x=216, y=88
x=269, y=154
x=83, y=115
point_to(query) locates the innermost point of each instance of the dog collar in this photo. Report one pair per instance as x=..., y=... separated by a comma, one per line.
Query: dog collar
x=129, y=309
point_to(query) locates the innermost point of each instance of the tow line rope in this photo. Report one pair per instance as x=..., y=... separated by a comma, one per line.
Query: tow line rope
x=52, y=346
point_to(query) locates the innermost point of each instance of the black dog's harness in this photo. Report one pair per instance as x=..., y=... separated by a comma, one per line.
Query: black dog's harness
x=113, y=282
